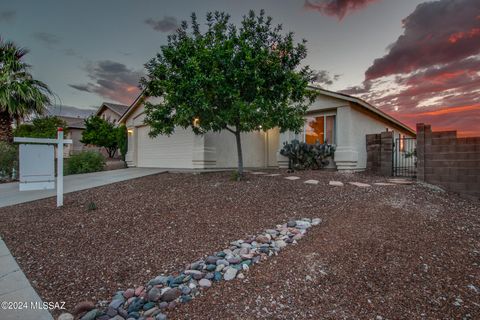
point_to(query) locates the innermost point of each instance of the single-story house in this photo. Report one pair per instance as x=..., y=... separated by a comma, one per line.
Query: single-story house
x=337, y=118
x=111, y=112
x=75, y=119
x=75, y=128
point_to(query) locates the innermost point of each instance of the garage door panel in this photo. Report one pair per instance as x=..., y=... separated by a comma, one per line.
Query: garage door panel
x=173, y=151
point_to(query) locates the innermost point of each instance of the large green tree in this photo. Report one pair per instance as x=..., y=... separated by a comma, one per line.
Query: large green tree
x=20, y=94
x=230, y=78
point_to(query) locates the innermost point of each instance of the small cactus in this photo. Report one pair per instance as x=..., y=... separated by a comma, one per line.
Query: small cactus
x=307, y=156
x=91, y=206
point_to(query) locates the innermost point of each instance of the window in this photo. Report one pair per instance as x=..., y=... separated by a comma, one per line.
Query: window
x=321, y=129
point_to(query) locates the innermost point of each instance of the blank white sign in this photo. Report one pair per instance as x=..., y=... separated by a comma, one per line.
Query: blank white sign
x=37, y=167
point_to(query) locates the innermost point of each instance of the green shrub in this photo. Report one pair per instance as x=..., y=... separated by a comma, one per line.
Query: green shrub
x=45, y=127
x=122, y=137
x=91, y=206
x=8, y=160
x=84, y=162
x=307, y=156
x=235, y=176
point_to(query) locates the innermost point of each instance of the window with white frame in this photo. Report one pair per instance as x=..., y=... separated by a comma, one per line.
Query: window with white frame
x=320, y=128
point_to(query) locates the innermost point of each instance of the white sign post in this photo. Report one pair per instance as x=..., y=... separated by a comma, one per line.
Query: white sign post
x=37, y=163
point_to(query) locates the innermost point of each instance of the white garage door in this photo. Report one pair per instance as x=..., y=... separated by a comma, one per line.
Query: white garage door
x=173, y=151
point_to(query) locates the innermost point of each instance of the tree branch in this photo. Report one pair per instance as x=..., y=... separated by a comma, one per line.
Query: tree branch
x=232, y=131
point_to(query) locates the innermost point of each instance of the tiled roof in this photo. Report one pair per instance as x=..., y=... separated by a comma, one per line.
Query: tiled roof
x=77, y=123
x=117, y=108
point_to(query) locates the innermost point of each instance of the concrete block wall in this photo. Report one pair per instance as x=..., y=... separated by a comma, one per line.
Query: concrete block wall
x=373, y=152
x=380, y=153
x=450, y=162
x=386, y=153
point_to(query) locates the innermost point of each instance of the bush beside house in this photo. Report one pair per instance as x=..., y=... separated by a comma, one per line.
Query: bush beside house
x=8, y=160
x=45, y=127
x=84, y=162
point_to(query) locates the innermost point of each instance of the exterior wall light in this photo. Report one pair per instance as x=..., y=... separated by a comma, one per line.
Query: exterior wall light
x=196, y=122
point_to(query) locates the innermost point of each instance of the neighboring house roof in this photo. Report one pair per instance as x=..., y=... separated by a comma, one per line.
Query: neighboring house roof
x=117, y=108
x=69, y=111
x=366, y=106
x=329, y=93
x=74, y=123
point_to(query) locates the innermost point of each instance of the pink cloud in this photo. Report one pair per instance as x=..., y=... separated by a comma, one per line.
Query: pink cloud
x=435, y=33
x=431, y=73
x=112, y=80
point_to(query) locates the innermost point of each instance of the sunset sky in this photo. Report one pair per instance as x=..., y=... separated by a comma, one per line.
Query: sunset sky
x=416, y=60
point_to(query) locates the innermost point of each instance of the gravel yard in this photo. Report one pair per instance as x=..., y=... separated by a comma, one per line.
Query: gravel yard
x=385, y=252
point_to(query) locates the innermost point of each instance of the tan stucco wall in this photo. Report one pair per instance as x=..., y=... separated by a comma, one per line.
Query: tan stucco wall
x=175, y=151
x=109, y=115
x=353, y=123
x=261, y=149
x=224, y=145
x=76, y=135
x=353, y=126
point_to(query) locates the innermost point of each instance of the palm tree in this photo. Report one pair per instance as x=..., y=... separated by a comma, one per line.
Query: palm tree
x=20, y=94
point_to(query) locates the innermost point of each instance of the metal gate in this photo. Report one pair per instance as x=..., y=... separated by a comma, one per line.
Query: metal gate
x=404, y=160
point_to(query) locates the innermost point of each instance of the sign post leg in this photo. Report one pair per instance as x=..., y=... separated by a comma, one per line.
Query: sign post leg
x=60, y=168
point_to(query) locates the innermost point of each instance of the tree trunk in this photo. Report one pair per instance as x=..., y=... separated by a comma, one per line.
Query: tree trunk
x=6, y=132
x=111, y=152
x=239, y=153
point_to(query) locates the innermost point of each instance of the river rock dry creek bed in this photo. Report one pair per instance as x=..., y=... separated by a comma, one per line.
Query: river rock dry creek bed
x=384, y=252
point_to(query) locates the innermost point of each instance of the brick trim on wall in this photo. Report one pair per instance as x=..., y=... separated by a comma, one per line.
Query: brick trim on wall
x=380, y=153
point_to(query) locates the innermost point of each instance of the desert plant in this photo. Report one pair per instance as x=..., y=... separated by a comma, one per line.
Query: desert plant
x=84, y=162
x=412, y=153
x=235, y=176
x=8, y=160
x=307, y=156
x=91, y=206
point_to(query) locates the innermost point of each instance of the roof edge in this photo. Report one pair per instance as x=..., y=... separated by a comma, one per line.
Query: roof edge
x=132, y=106
x=333, y=94
x=364, y=104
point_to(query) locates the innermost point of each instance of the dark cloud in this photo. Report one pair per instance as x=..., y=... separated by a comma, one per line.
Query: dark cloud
x=431, y=73
x=46, y=38
x=441, y=95
x=435, y=33
x=166, y=24
x=338, y=8
x=81, y=87
x=7, y=15
x=323, y=77
x=111, y=80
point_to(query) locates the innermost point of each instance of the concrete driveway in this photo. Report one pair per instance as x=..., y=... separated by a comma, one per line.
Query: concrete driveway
x=10, y=195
